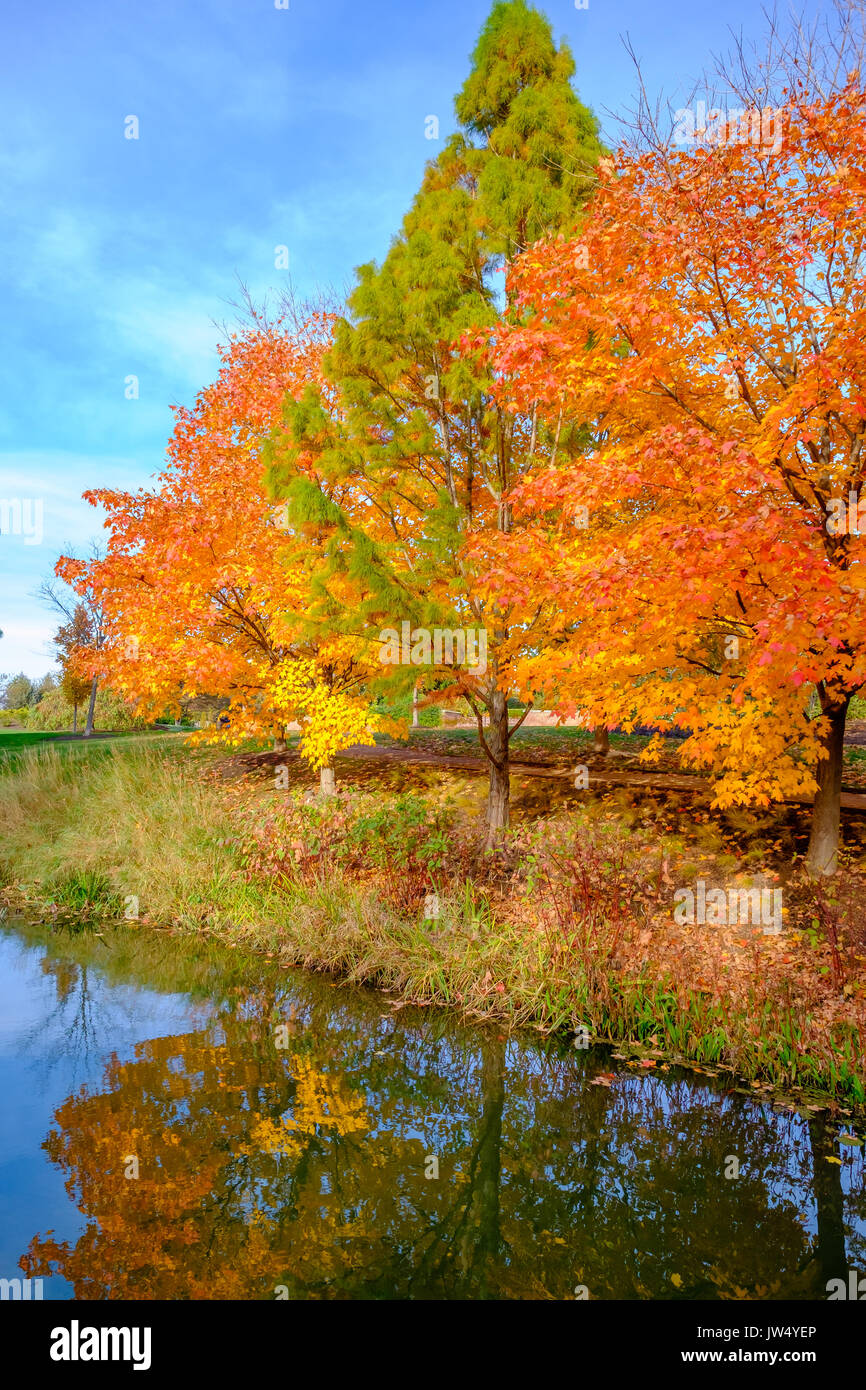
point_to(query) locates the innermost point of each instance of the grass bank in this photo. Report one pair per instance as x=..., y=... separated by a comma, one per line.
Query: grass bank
x=569, y=928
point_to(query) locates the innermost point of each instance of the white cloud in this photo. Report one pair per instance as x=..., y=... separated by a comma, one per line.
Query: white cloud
x=26, y=644
x=155, y=319
x=154, y=322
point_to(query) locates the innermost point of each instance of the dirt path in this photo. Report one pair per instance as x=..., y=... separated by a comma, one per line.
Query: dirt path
x=851, y=801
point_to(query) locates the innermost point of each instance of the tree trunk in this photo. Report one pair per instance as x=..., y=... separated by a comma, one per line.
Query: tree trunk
x=327, y=781
x=75, y=718
x=91, y=706
x=601, y=740
x=829, y=1205
x=482, y=1242
x=499, y=787
x=822, y=856
x=280, y=745
x=414, y=707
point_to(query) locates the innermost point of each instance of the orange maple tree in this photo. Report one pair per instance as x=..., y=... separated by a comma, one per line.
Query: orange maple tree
x=710, y=325
x=204, y=586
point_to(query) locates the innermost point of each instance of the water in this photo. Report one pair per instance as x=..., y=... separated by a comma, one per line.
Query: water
x=294, y=1139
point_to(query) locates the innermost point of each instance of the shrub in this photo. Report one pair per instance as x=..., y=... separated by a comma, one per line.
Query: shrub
x=405, y=843
x=15, y=716
x=400, y=707
x=55, y=714
x=87, y=892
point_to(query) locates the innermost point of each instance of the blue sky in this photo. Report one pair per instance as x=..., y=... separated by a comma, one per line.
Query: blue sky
x=258, y=127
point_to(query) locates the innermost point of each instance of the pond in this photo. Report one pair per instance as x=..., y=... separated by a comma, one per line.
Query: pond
x=180, y=1123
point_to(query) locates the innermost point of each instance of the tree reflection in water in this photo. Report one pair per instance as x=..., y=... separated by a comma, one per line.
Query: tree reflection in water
x=302, y=1168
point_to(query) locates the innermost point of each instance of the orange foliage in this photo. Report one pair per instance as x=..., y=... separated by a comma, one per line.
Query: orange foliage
x=202, y=585
x=710, y=327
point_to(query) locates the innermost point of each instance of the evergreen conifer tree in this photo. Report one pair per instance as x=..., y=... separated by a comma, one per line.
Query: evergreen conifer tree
x=408, y=433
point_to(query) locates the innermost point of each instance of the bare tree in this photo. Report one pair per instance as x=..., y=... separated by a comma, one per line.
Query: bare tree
x=67, y=602
x=813, y=55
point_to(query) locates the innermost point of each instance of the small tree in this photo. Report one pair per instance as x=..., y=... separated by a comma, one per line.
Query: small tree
x=20, y=691
x=83, y=635
x=71, y=639
x=75, y=690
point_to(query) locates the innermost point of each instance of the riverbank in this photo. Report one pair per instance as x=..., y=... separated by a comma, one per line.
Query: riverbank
x=571, y=928
x=293, y=1138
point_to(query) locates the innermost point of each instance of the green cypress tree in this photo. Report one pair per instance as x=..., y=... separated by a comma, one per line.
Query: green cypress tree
x=411, y=436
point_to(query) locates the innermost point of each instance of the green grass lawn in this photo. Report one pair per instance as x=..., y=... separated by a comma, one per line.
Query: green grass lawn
x=26, y=738
x=15, y=742
x=16, y=739
x=527, y=740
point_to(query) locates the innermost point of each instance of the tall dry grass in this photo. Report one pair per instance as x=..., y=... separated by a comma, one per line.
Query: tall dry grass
x=139, y=818
x=86, y=832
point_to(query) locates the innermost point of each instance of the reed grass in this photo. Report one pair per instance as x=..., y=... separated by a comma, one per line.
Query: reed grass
x=79, y=836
